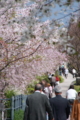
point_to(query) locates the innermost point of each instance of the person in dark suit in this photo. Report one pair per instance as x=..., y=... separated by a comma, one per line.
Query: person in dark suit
x=38, y=105
x=60, y=106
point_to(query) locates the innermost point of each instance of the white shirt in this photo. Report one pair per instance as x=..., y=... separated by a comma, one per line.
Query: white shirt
x=66, y=71
x=71, y=94
x=73, y=71
x=46, y=89
x=50, y=76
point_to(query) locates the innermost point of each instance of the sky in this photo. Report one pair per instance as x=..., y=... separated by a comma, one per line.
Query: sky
x=59, y=12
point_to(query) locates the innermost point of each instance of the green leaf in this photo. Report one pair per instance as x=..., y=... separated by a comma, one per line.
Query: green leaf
x=18, y=114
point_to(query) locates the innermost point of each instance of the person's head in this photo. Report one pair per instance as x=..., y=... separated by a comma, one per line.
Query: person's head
x=38, y=87
x=79, y=94
x=58, y=90
x=47, y=84
x=43, y=82
x=71, y=87
x=52, y=75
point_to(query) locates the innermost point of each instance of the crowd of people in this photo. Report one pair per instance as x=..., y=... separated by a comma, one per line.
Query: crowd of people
x=63, y=70
x=40, y=107
x=47, y=103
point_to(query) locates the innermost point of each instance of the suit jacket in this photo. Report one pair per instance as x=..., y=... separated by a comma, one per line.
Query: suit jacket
x=60, y=107
x=38, y=104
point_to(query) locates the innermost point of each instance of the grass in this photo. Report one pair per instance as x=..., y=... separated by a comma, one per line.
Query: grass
x=77, y=88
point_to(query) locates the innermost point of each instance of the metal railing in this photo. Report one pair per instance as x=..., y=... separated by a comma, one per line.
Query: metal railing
x=8, y=106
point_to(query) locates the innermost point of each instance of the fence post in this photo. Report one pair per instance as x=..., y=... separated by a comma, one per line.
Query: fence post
x=2, y=114
x=12, y=109
x=2, y=110
x=24, y=101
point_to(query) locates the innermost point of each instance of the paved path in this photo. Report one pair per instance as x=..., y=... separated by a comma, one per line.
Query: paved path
x=65, y=85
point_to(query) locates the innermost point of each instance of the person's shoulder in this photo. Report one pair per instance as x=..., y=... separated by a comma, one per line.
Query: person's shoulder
x=34, y=94
x=52, y=99
x=75, y=91
x=65, y=100
x=28, y=97
x=62, y=98
x=68, y=90
x=43, y=95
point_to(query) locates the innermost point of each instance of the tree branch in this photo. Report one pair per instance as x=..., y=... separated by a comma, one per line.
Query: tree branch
x=5, y=10
x=21, y=57
x=65, y=16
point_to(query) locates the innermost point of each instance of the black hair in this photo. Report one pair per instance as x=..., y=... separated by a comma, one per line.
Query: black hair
x=52, y=74
x=78, y=93
x=71, y=87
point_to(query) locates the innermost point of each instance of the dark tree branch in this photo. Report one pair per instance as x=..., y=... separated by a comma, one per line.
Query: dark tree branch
x=65, y=16
x=5, y=10
x=21, y=57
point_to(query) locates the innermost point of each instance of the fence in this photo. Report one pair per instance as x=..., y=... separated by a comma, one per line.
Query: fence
x=8, y=106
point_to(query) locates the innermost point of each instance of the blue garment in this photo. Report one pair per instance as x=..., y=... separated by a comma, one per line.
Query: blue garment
x=60, y=107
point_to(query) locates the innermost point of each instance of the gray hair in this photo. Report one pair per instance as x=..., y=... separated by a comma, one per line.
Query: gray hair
x=38, y=87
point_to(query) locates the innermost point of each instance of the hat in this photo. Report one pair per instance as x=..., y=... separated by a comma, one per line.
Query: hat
x=57, y=89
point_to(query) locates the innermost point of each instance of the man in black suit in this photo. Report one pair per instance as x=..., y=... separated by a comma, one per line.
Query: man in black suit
x=60, y=105
x=37, y=105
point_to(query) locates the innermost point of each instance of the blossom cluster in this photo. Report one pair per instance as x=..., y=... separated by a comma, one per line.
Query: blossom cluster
x=26, y=49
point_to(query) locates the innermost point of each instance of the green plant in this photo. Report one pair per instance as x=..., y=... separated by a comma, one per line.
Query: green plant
x=43, y=77
x=9, y=94
x=77, y=88
x=61, y=79
x=30, y=87
x=57, y=73
x=18, y=114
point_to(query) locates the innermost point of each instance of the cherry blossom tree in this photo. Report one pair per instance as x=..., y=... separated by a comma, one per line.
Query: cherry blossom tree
x=25, y=47
x=74, y=54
